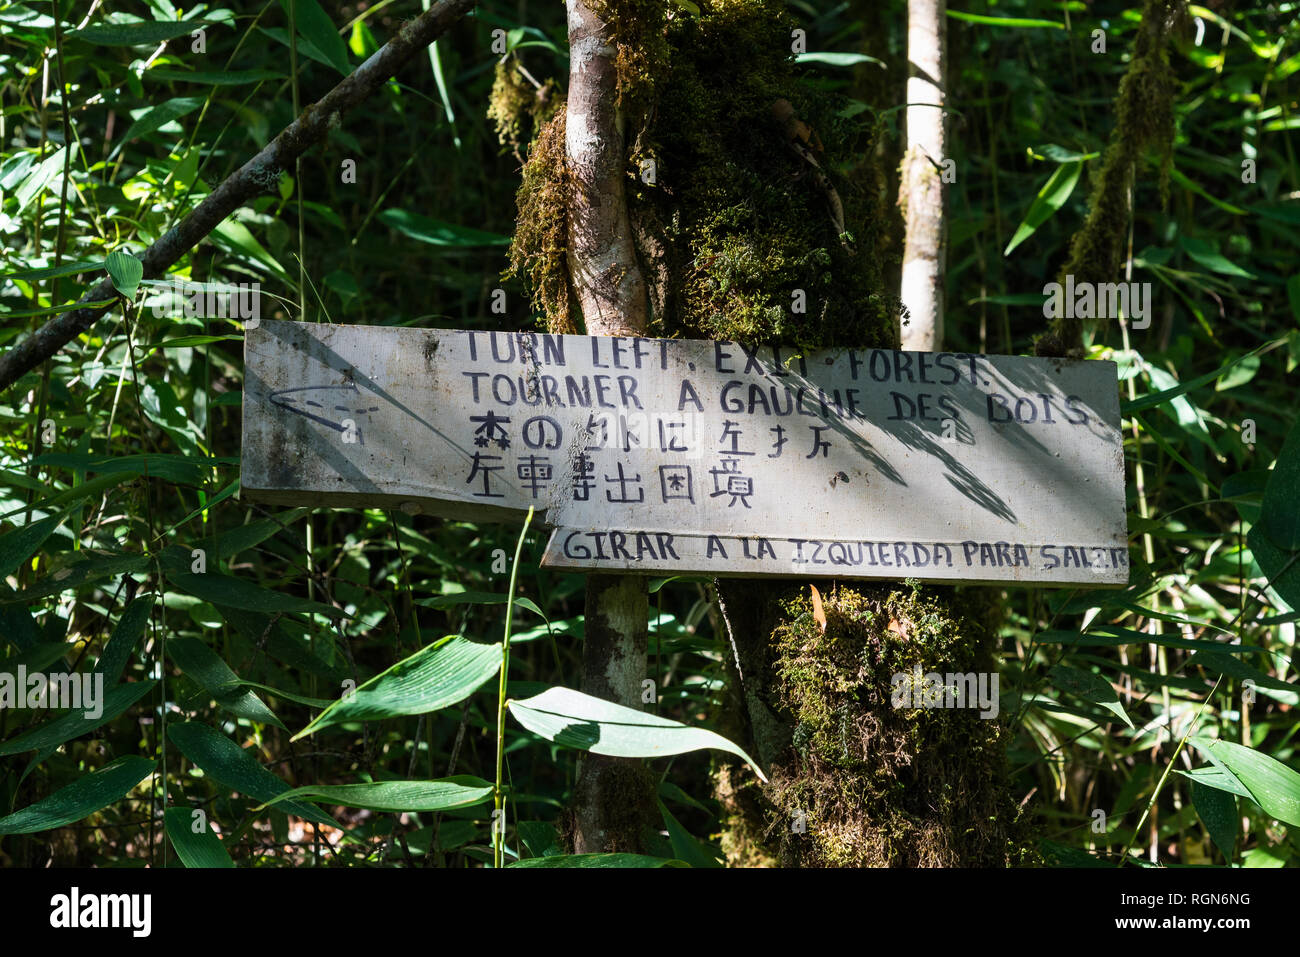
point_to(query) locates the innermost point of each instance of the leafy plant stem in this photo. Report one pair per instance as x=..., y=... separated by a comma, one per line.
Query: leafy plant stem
x=498, y=794
x=1155, y=795
x=159, y=635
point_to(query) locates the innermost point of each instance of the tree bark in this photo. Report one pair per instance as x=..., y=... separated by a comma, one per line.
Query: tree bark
x=613, y=797
x=923, y=190
x=607, y=278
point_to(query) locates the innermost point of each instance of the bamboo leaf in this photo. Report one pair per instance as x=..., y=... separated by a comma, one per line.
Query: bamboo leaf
x=143, y=33
x=1015, y=22
x=20, y=544
x=1272, y=785
x=444, y=794
x=1281, y=514
x=207, y=668
x=1167, y=395
x=195, y=849
x=180, y=469
x=1213, y=776
x=238, y=593
x=597, y=860
x=232, y=767
x=135, y=617
x=75, y=723
x=1090, y=687
x=212, y=77
x=686, y=847
x=479, y=598
x=315, y=25
x=1050, y=198
x=578, y=720
x=154, y=120
x=437, y=233
x=434, y=677
x=1114, y=637
x=81, y=798
x=92, y=568
x=1218, y=810
x=40, y=178
x=1281, y=568
x=53, y=272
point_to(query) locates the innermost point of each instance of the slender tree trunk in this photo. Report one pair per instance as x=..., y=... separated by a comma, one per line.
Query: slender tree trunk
x=607, y=279
x=923, y=191
x=613, y=797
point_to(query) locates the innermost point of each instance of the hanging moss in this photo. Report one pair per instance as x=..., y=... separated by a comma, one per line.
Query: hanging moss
x=517, y=108
x=538, y=250
x=1144, y=111
x=641, y=53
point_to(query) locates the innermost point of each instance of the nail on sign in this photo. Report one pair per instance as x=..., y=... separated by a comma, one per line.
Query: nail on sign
x=656, y=455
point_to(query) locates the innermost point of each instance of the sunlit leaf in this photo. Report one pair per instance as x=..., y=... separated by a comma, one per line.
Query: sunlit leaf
x=1050, y=198
x=1273, y=786
x=445, y=794
x=578, y=720
x=437, y=233
x=436, y=676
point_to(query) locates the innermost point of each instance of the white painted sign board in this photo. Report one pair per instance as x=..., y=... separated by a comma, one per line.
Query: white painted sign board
x=676, y=456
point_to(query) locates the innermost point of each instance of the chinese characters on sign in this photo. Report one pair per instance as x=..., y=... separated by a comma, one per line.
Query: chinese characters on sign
x=718, y=458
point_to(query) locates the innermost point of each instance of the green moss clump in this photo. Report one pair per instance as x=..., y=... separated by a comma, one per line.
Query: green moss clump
x=641, y=53
x=1145, y=120
x=743, y=838
x=879, y=785
x=758, y=253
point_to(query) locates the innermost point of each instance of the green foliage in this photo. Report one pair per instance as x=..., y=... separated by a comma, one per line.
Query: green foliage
x=82, y=797
x=100, y=518
x=397, y=796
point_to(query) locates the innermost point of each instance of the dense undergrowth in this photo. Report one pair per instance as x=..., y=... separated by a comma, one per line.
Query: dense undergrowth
x=1157, y=722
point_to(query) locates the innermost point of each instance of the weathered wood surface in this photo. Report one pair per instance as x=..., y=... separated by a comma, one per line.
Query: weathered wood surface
x=680, y=456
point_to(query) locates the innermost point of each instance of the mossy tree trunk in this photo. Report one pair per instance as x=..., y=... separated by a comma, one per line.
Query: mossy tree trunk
x=613, y=797
x=765, y=220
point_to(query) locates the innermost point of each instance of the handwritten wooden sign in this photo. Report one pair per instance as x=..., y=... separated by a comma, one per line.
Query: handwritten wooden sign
x=675, y=456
